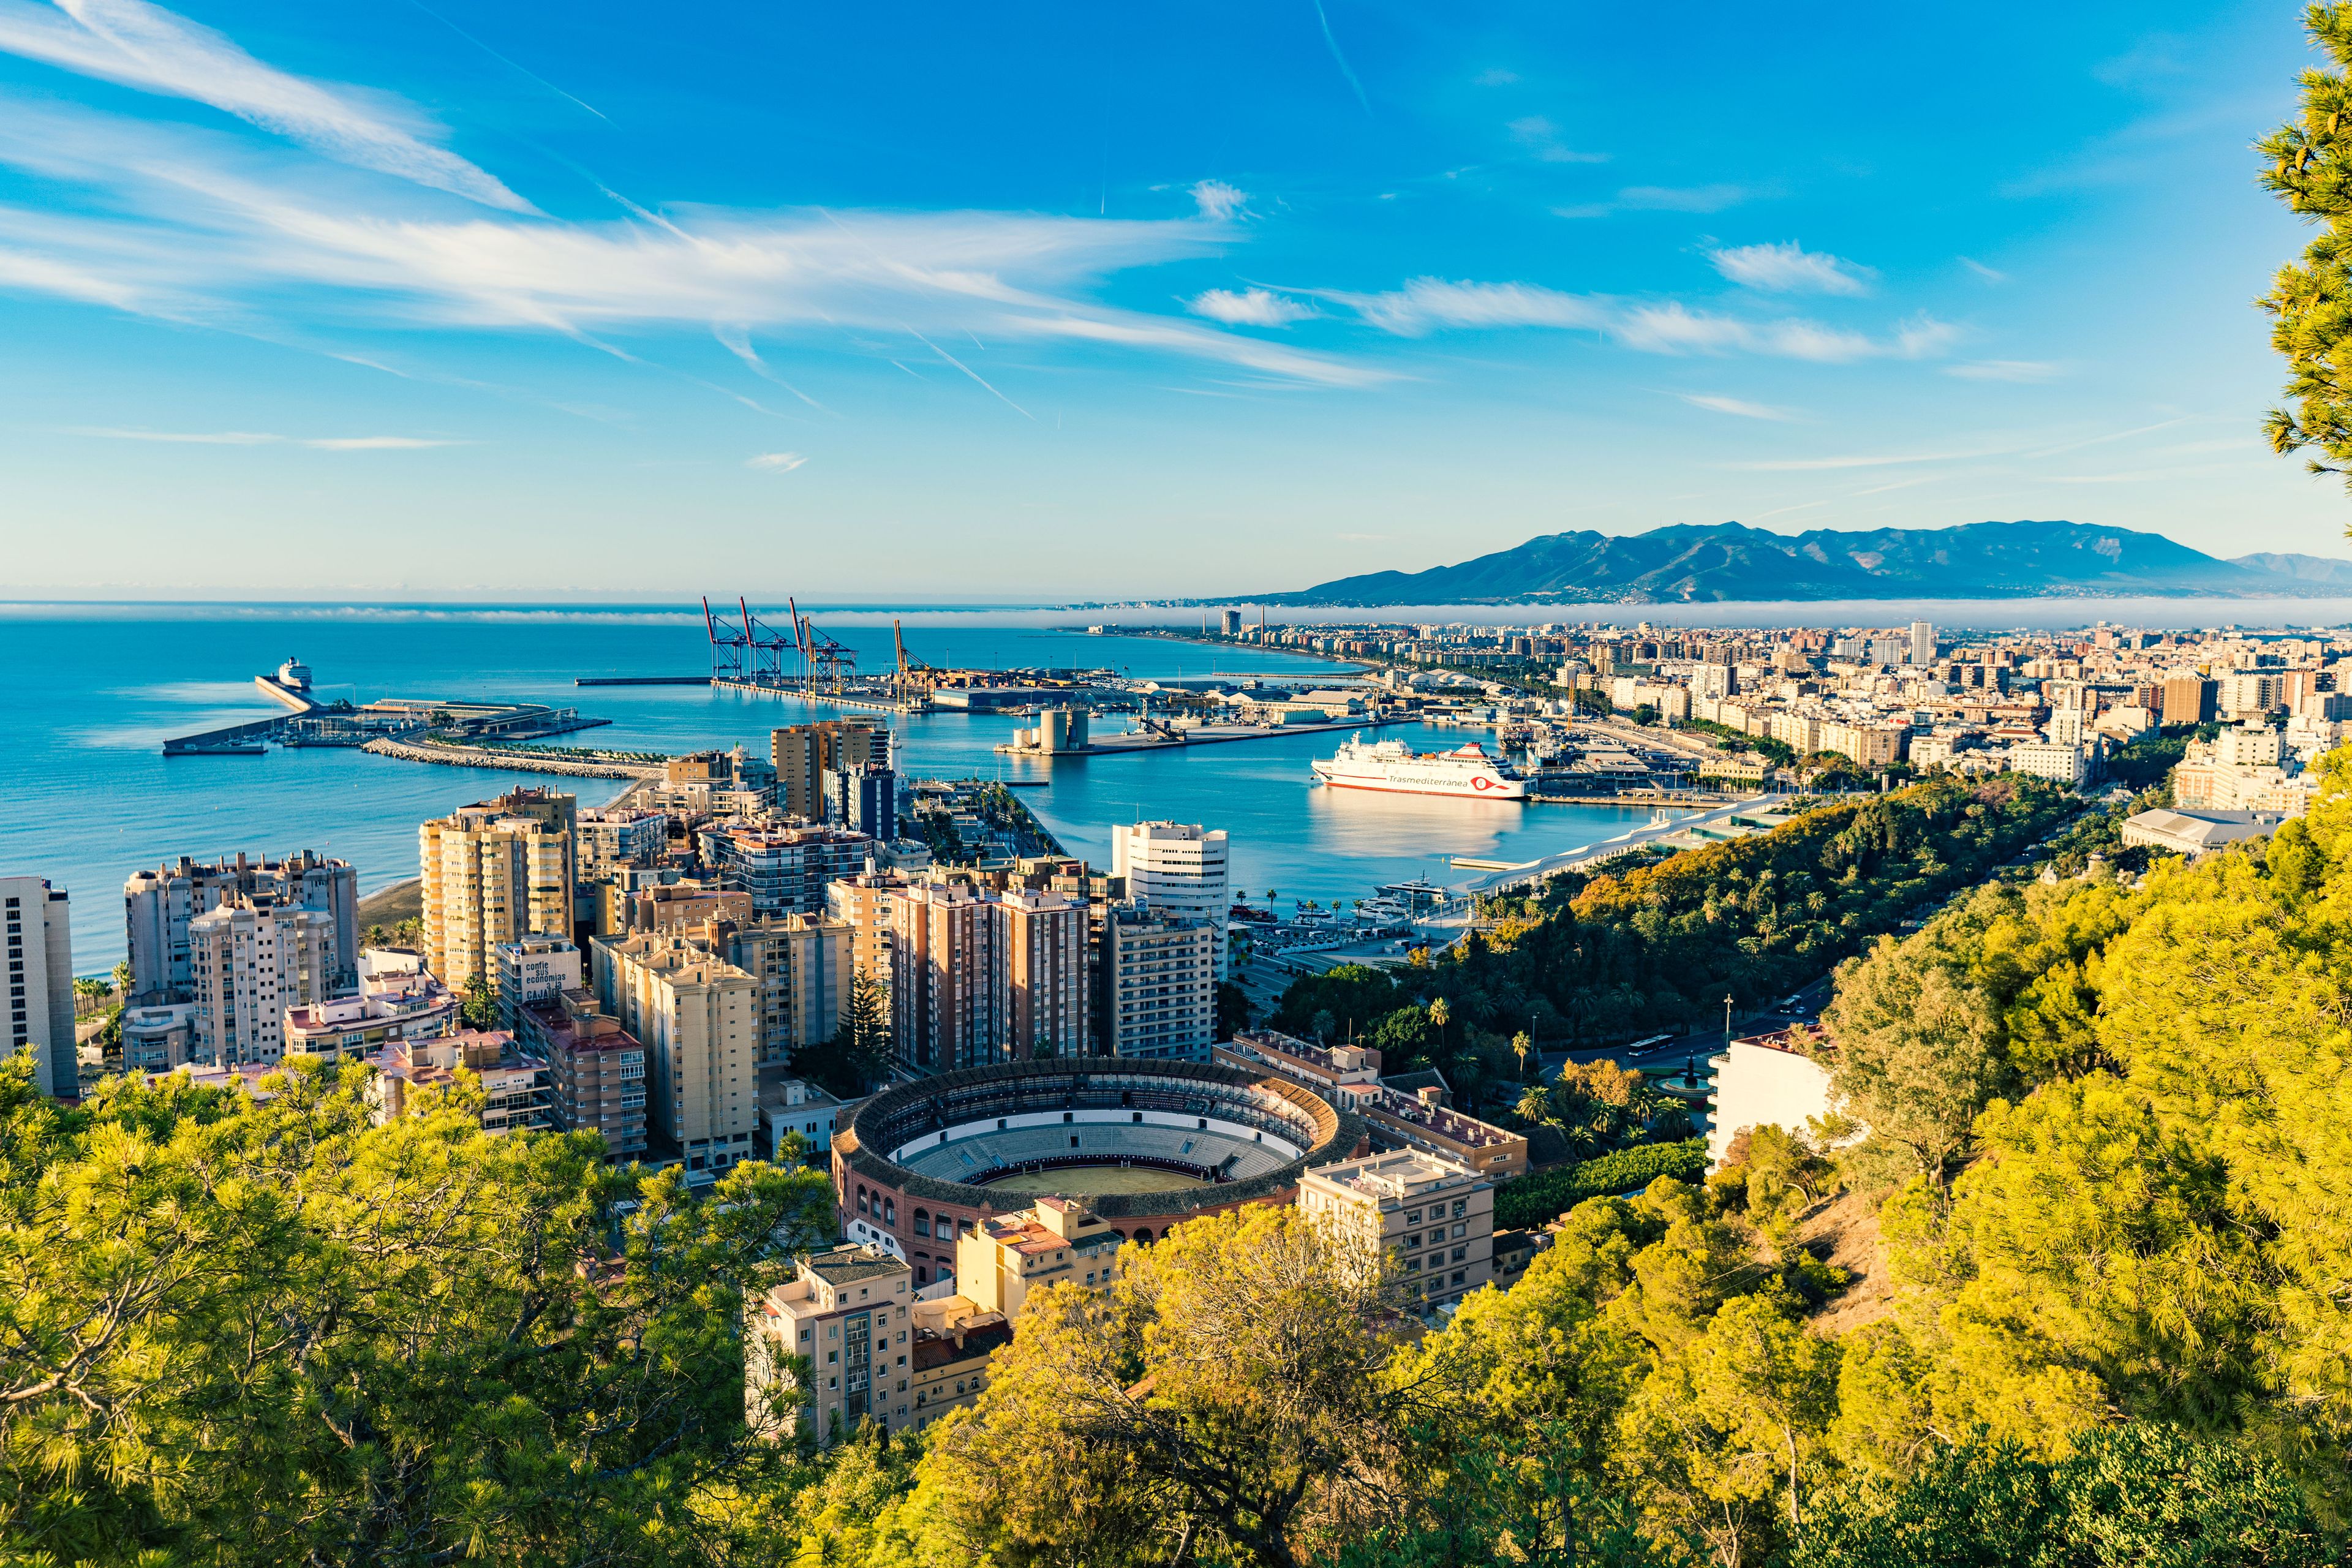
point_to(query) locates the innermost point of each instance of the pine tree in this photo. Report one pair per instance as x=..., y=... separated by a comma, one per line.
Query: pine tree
x=2310, y=302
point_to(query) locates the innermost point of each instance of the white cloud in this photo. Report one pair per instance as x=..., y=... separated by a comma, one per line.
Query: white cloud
x=1429, y=304
x=1539, y=136
x=1790, y=268
x=2018, y=370
x=145, y=47
x=1738, y=406
x=1219, y=201
x=1426, y=304
x=1988, y=274
x=1924, y=337
x=776, y=462
x=1255, y=308
x=1674, y=328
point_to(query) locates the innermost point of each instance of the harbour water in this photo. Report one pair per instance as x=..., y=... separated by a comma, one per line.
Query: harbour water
x=90, y=698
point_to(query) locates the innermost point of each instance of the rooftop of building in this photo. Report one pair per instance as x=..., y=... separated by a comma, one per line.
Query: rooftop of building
x=1796, y=1040
x=1451, y=1125
x=1401, y=1174
x=983, y=1335
x=848, y=1264
x=1348, y=1061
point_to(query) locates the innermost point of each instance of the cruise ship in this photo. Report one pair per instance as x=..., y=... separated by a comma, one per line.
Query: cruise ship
x=1392, y=766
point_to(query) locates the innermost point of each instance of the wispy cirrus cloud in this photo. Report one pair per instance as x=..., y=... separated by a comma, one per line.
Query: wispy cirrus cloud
x=1250, y=308
x=1708, y=198
x=195, y=228
x=145, y=47
x=1790, y=268
x=776, y=462
x=1541, y=137
x=1738, y=408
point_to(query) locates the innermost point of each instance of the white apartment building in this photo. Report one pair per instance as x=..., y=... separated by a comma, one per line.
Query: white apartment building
x=1176, y=866
x=697, y=1016
x=2249, y=693
x=40, y=981
x=611, y=837
x=785, y=869
x=1765, y=1080
x=2248, y=746
x=157, y=906
x=1434, y=1216
x=1160, y=983
x=252, y=962
x=2068, y=764
x=1923, y=642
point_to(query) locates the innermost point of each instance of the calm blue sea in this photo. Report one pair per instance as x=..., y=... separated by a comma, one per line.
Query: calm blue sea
x=90, y=696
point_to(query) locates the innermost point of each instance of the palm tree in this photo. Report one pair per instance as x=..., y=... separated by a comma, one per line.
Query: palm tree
x=1441, y=1015
x=1520, y=1047
x=1536, y=1105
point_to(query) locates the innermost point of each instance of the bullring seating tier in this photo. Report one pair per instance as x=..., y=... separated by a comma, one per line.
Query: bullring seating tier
x=972, y=1159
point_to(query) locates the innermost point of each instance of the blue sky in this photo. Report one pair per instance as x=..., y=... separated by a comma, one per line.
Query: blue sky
x=1023, y=302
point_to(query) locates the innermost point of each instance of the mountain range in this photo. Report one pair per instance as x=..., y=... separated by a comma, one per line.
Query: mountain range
x=1689, y=563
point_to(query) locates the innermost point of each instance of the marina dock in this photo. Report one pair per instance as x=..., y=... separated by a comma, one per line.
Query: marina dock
x=1176, y=739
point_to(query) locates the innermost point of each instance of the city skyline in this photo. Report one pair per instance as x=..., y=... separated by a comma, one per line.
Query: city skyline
x=462, y=303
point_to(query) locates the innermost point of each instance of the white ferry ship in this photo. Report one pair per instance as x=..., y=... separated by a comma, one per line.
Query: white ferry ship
x=1392, y=766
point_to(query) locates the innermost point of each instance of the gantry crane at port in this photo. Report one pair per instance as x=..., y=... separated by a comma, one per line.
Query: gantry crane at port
x=766, y=645
x=726, y=646
x=915, y=679
x=823, y=661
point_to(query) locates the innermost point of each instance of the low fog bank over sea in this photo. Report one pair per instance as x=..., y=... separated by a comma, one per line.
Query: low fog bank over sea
x=2155, y=611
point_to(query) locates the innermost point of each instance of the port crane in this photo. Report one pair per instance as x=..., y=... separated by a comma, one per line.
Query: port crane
x=823, y=661
x=727, y=647
x=914, y=677
x=765, y=644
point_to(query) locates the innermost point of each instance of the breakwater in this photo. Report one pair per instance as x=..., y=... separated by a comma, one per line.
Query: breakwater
x=513, y=760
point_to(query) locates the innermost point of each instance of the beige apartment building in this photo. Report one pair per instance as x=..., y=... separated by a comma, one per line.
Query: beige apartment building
x=864, y=903
x=1435, y=1217
x=804, y=753
x=699, y=1018
x=848, y=1314
x=494, y=872
x=803, y=963
x=1060, y=1241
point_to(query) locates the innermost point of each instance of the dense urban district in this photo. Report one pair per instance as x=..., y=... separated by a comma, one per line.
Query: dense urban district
x=1926, y=1142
